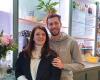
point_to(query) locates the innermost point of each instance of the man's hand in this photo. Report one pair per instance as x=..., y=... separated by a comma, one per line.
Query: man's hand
x=57, y=63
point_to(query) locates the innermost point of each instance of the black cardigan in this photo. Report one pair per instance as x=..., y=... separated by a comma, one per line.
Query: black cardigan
x=45, y=69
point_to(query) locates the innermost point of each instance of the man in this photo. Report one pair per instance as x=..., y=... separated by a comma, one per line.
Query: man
x=69, y=59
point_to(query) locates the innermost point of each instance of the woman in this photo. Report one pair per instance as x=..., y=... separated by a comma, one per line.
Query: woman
x=34, y=62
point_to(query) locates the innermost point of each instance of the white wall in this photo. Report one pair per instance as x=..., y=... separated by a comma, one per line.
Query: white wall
x=6, y=7
x=64, y=11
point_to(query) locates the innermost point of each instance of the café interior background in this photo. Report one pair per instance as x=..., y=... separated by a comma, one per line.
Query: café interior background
x=80, y=19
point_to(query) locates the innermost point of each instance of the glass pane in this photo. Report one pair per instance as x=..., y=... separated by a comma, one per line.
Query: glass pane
x=83, y=26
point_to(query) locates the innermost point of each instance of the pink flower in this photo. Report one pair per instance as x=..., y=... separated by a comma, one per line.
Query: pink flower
x=6, y=40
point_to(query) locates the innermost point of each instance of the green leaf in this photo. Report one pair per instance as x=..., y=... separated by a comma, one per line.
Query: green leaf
x=54, y=3
x=48, y=3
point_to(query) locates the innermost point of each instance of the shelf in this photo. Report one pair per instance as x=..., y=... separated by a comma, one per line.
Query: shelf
x=86, y=48
x=84, y=38
x=29, y=22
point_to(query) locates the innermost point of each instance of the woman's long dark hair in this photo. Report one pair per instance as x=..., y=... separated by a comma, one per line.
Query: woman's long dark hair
x=31, y=44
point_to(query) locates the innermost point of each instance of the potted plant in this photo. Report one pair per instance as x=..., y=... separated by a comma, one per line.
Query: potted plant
x=47, y=6
x=6, y=43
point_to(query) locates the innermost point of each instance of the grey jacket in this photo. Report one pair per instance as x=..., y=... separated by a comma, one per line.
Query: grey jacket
x=68, y=50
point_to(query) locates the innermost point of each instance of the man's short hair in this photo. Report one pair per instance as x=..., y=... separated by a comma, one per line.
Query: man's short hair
x=52, y=16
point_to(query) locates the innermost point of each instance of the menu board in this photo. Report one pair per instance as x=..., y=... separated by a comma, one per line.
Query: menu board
x=83, y=25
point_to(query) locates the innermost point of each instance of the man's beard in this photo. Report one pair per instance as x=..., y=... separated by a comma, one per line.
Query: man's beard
x=55, y=34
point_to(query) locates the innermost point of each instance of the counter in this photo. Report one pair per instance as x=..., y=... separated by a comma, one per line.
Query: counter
x=90, y=72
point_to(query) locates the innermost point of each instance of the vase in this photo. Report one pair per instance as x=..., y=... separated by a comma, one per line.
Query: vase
x=3, y=68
